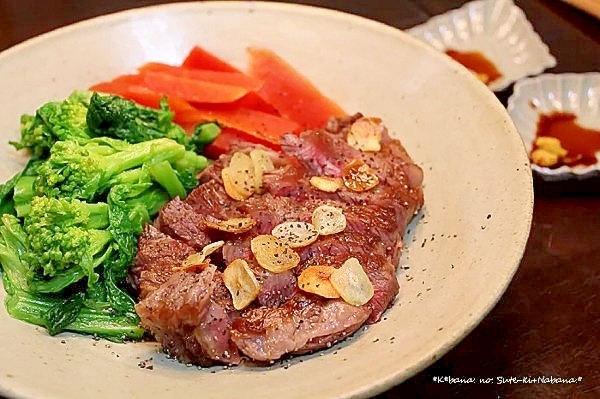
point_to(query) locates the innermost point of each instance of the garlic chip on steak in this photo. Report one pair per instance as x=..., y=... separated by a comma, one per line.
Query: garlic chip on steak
x=296, y=234
x=315, y=279
x=358, y=176
x=233, y=225
x=326, y=183
x=199, y=259
x=273, y=254
x=241, y=283
x=230, y=188
x=328, y=219
x=352, y=283
x=239, y=176
x=262, y=163
x=365, y=134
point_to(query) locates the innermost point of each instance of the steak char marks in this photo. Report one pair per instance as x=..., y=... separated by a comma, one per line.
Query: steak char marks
x=190, y=311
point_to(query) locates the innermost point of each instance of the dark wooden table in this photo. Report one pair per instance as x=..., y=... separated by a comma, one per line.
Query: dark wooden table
x=548, y=321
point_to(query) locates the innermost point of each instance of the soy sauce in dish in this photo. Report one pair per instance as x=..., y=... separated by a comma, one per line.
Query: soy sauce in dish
x=478, y=63
x=581, y=143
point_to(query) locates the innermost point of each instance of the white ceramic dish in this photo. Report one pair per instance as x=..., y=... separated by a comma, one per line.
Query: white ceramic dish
x=462, y=254
x=576, y=93
x=496, y=28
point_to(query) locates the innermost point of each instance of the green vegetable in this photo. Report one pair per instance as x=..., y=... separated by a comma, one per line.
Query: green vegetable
x=67, y=240
x=120, y=118
x=54, y=121
x=101, y=168
x=85, y=115
x=86, y=171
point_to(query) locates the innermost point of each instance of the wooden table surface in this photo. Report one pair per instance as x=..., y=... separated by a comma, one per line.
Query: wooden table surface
x=548, y=321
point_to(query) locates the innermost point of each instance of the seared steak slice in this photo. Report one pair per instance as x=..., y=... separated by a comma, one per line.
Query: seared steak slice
x=277, y=289
x=302, y=324
x=156, y=257
x=210, y=198
x=183, y=318
x=314, y=150
x=179, y=220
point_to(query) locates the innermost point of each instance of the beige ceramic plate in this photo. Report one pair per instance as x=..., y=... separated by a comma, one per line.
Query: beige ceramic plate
x=461, y=254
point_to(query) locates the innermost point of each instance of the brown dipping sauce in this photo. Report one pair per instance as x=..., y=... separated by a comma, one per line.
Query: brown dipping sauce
x=478, y=63
x=581, y=143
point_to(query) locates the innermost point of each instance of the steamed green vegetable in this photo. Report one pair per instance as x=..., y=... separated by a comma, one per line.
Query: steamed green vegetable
x=101, y=168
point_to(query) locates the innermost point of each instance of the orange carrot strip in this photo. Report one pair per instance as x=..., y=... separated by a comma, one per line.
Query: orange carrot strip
x=200, y=58
x=225, y=78
x=292, y=94
x=191, y=89
x=260, y=125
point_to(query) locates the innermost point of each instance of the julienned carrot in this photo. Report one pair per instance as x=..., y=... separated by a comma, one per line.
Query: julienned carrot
x=255, y=102
x=260, y=125
x=193, y=90
x=225, y=78
x=292, y=94
x=199, y=58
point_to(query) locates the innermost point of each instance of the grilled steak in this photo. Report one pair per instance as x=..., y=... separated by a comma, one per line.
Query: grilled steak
x=191, y=312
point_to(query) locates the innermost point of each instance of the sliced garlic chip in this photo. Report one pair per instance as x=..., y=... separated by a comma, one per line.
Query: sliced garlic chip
x=199, y=259
x=328, y=219
x=262, y=163
x=358, y=176
x=230, y=188
x=273, y=254
x=352, y=283
x=365, y=134
x=241, y=283
x=233, y=225
x=212, y=247
x=326, y=183
x=240, y=174
x=315, y=279
x=296, y=234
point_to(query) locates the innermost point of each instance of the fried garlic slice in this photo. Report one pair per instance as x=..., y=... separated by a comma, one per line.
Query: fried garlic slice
x=241, y=283
x=296, y=234
x=240, y=175
x=262, y=163
x=328, y=219
x=358, y=176
x=352, y=283
x=326, y=183
x=199, y=259
x=315, y=279
x=233, y=225
x=365, y=134
x=230, y=188
x=273, y=254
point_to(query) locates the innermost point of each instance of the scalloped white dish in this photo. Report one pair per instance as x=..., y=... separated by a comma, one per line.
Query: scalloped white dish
x=497, y=29
x=574, y=93
x=461, y=252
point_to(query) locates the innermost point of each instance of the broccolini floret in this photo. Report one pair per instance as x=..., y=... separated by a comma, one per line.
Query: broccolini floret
x=114, y=116
x=86, y=171
x=54, y=121
x=67, y=240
